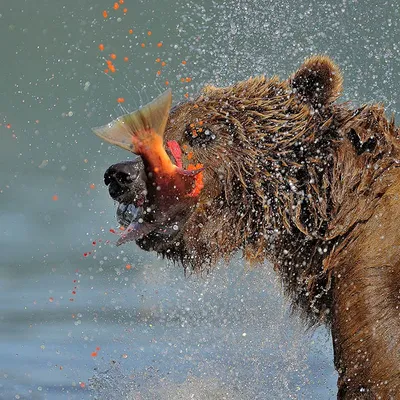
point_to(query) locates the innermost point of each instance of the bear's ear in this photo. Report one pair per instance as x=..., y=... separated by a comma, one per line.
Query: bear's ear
x=318, y=81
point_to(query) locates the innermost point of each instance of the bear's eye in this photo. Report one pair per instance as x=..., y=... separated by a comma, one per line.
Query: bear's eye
x=197, y=134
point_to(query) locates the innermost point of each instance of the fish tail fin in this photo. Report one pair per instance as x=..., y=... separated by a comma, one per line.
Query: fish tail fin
x=141, y=129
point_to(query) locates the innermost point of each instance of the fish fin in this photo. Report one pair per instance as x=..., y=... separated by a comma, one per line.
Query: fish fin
x=141, y=127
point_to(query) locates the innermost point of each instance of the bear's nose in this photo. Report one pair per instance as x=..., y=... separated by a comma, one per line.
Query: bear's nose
x=114, y=175
x=124, y=180
x=124, y=172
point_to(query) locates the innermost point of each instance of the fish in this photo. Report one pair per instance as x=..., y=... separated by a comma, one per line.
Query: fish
x=142, y=133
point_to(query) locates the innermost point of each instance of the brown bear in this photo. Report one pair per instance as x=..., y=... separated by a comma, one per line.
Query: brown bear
x=280, y=171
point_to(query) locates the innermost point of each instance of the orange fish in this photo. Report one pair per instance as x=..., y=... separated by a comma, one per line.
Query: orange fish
x=142, y=133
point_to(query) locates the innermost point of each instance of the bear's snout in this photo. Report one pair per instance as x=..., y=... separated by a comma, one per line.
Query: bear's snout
x=124, y=181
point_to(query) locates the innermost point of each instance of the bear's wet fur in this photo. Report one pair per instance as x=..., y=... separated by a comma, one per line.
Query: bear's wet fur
x=277, y=155
x=294, y=178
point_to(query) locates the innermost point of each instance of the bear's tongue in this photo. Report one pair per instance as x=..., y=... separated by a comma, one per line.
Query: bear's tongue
x=135, y=231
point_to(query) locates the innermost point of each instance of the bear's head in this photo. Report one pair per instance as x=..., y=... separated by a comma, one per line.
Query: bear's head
x=228, y=170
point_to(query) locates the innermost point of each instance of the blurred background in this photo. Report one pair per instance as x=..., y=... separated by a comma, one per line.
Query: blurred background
x=83, y=319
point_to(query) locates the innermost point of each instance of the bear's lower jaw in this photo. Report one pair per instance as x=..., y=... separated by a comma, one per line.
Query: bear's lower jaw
x=161, y=235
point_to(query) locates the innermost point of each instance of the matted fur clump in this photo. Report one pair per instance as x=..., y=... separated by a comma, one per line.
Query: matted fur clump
x=278, y=170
